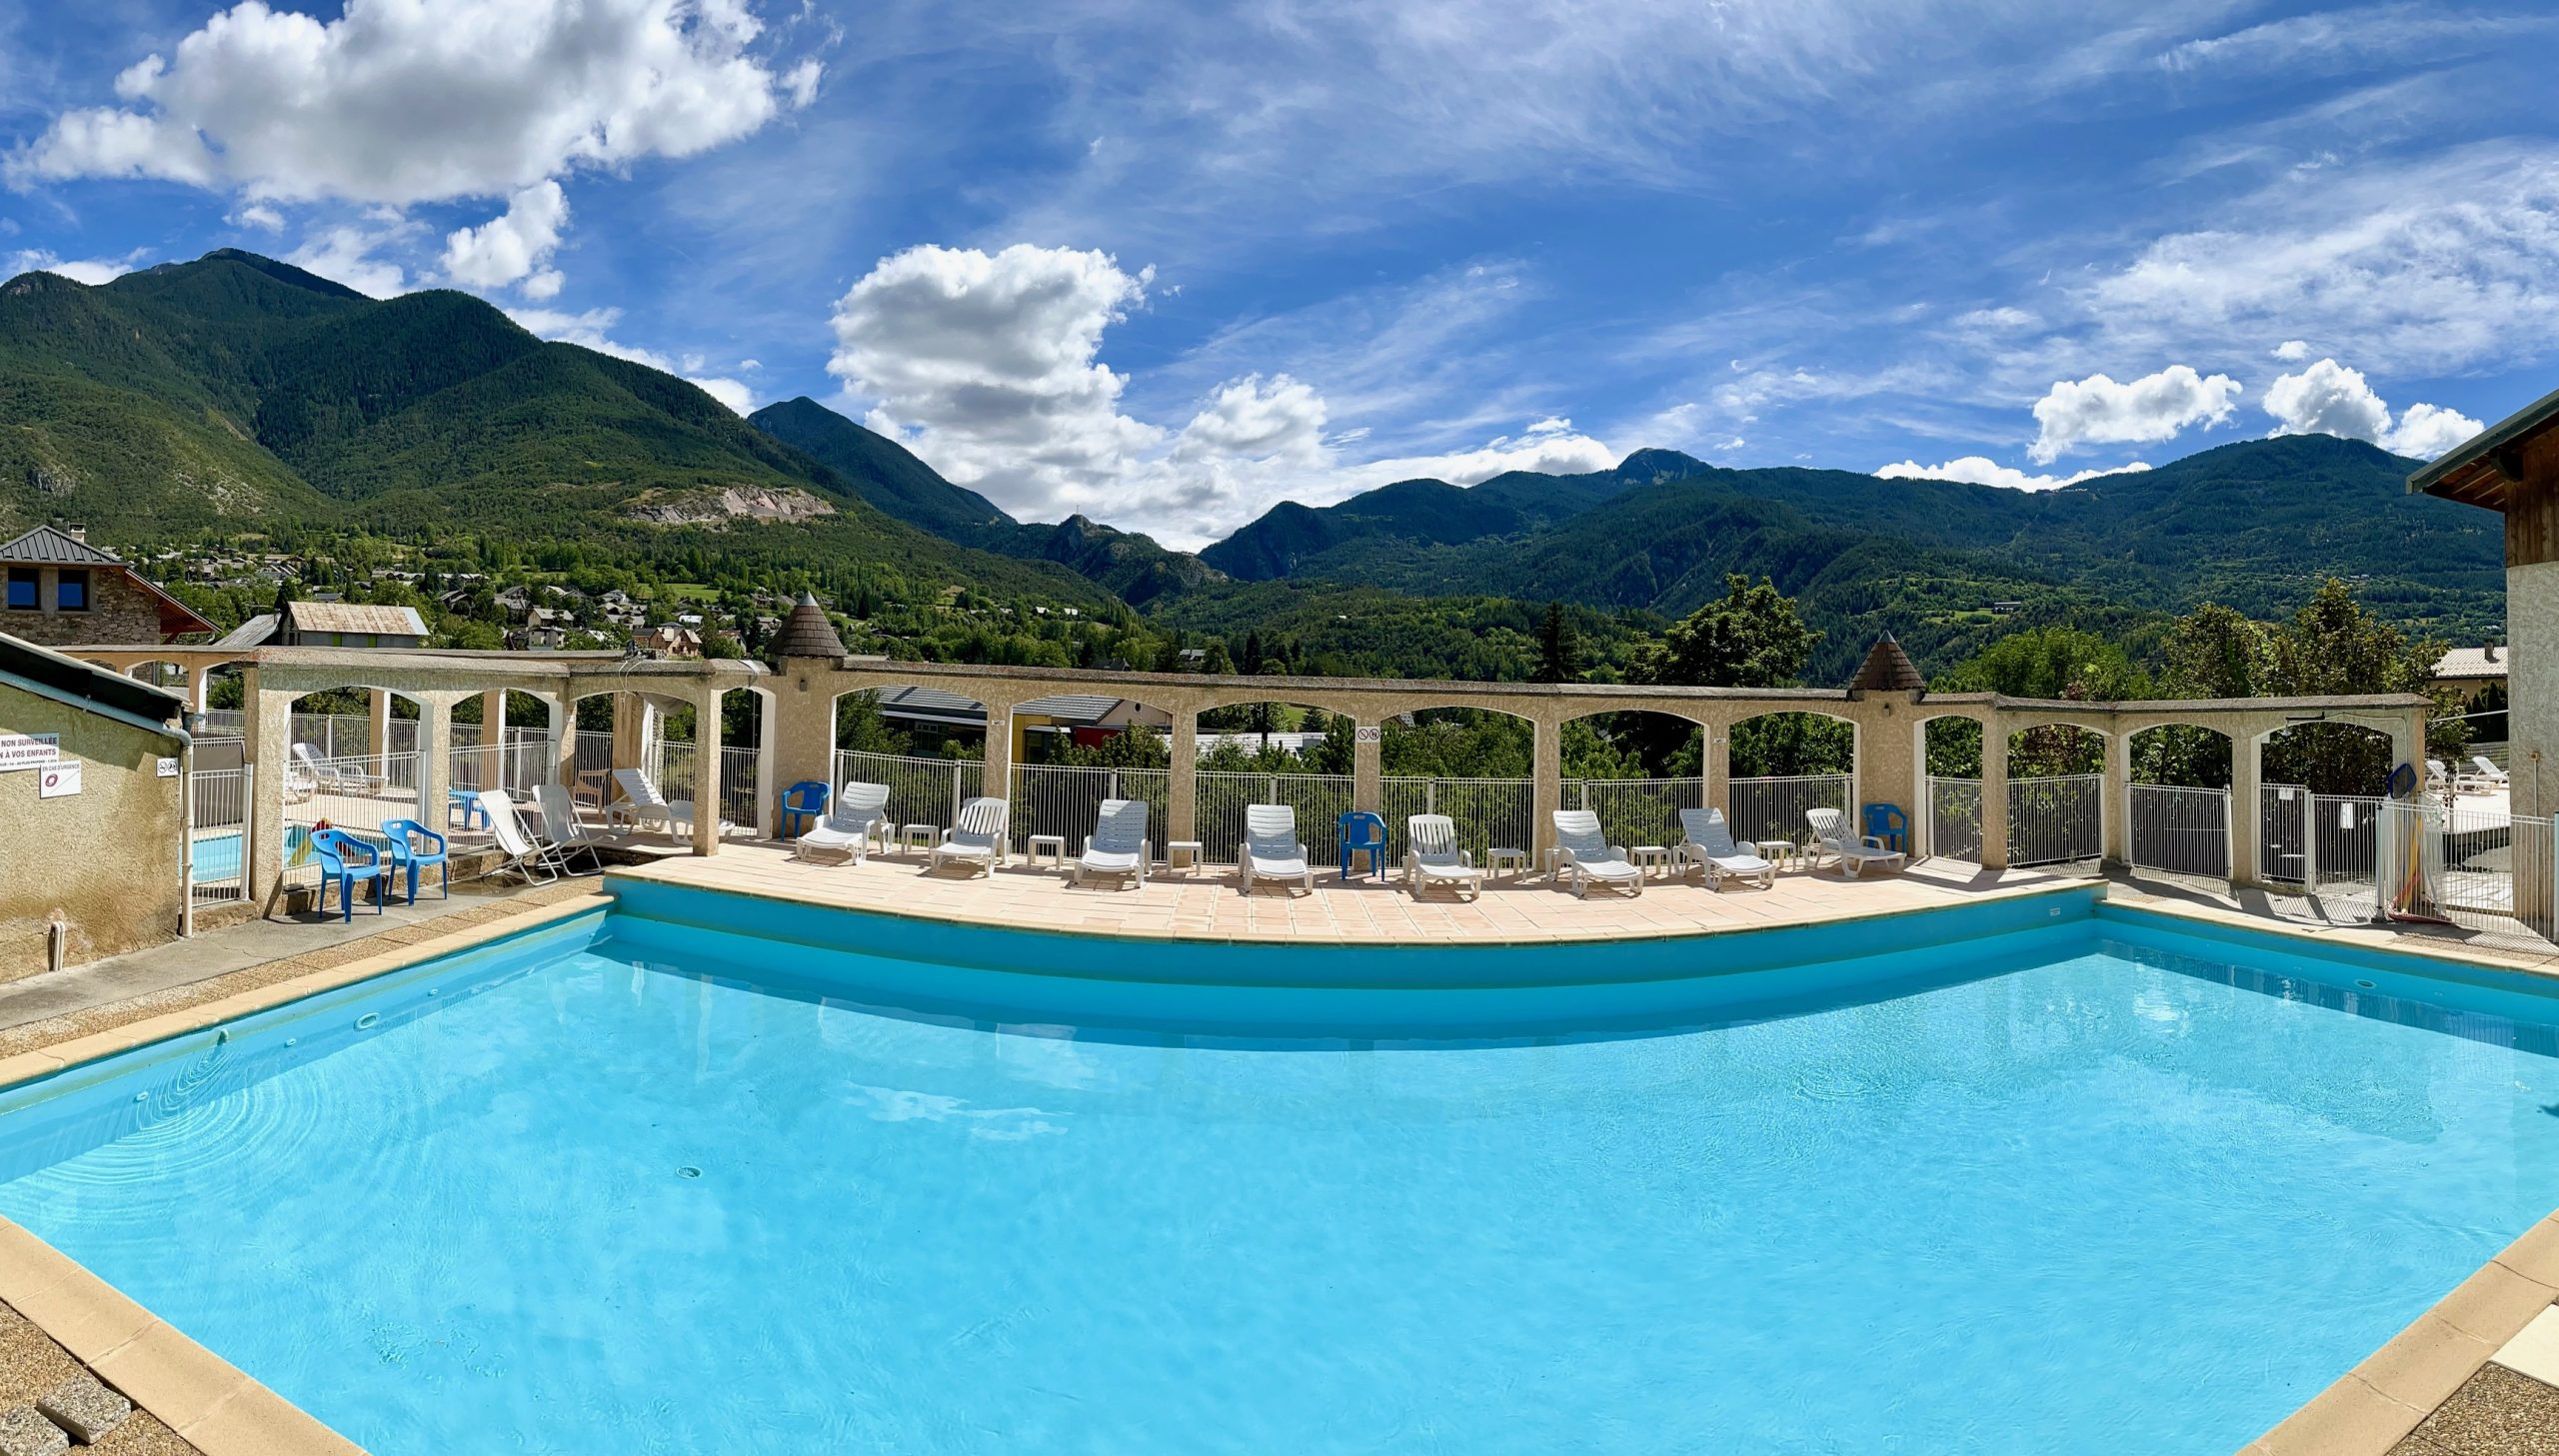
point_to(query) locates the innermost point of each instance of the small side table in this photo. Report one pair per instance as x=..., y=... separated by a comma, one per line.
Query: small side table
x=1654, y=858
x=1780, y=853
x=1055, y=845
x=1181, y=855
x=919, y=839
x=1500, y=854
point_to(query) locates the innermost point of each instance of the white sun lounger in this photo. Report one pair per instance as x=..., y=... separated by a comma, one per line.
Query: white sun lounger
x=641, y=804
x=537, y=861
x=857, y=817
x=332, y=778
x=1270, y=848
x=566, y=830
x=1583, y=856
x=2487, y=772
x=1709, y=846
x=1118, y=846
x=1431, y=857
x=1830, y=829
x=978, y=838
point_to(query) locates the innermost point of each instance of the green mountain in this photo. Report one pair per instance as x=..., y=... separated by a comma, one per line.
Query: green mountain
x=236, y=392
x=1943, y=565
x=1125, y=564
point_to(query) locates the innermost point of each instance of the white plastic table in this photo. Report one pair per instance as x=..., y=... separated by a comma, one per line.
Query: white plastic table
x=1055, y=845
x=920, y=837
x=1653, y=857
x=1181, y=855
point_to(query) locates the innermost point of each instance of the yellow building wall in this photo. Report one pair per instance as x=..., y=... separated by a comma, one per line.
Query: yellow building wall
x=104, y=858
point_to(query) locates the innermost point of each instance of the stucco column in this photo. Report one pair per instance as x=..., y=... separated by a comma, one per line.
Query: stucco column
x=435, y=756
x=800, y=722
x=706, y=773
x=1546, y=785
x=1885, y=771
x=493, y=717
x=768, y=778
x=2247, y=752
x=995, y=779
x=266, y=738
x=1368, y=786
x=1181, y=789
x=2116, y=794
x=1714, y=765
x=378, y=731
x=199, y=690
x=1994, y=792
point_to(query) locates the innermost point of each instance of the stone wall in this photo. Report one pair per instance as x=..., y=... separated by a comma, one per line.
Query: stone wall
x=119, y=612
x=104, y=858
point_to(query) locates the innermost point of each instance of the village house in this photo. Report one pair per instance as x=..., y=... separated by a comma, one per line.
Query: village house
x=63, y=591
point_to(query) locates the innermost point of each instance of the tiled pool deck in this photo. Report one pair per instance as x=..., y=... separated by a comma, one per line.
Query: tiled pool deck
x=2478, y=1375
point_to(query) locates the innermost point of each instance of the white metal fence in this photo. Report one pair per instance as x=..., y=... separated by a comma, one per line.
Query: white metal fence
x=359, y=794
x=2326, y=844
x=2179, y=830
x=1055, y=798
x=2058, y=821
x=1321, y=799
x=921, y=790
x=518, y=766
x=218, y=823
x=1485, y=812
x=1639, y=811
x=676, y=769
x=1953, y=819
x=1773, y=807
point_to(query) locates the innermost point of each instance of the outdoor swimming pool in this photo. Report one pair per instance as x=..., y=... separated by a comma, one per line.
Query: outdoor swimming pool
x=646, y=1185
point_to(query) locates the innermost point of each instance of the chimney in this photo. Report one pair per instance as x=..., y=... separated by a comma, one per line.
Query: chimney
x=77, y=531
x=2490, y=650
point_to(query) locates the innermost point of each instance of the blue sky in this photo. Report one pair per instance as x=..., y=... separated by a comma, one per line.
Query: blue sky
x=1167, y=264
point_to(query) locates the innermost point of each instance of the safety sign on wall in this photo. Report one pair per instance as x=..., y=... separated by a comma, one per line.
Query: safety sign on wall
x=28, y=751
x=59, y=781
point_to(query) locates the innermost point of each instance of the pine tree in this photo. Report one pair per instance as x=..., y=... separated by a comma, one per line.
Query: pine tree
x=1558, y=648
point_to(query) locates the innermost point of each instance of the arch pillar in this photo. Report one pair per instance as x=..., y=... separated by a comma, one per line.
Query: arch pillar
x=1714, y=765
x=435, y=754
x=1994, y=792
x=2247, y=761
x=800, y=724
x=1368, y=784
x=200, y=689
x=706, y=770
x=1545, y=784
x=994, y=779
x=2117, y=797
x=1182, y=787
x=267, y=740
x=378, y=730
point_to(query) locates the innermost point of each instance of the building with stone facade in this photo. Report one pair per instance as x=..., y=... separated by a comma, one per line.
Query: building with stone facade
x=63, y=591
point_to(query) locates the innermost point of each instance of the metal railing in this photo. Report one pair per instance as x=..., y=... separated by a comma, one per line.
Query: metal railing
x=2486, y=872
x=1321, y=800
x=921, y=790
x=1055, y=798
x=1639, y=810
x=1952, y=819
x=224, y=723
x=2058, y=821
x=2326, y=844
x=2179, y=830
x=522, y=763
x=674, y=768
x=218, y=824
x=1486, y=812
x=1773, y=807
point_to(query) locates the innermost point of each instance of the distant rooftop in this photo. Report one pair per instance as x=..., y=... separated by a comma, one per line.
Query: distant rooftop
x=2472, y=663
x=53, y=547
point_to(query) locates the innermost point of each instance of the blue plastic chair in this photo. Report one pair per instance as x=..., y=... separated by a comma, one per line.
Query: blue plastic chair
x=1363, y=833
x=1887, y=823
x=805, y=799
x=345, y=860
x=405, y=854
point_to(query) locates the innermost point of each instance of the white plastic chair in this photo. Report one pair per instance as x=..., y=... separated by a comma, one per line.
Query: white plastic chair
x=1118, y=846
x=1271, y=850
x=858, y=816
x=1709, y=845
x=1830, y=829
x=1584, y=857
x=978, y=838
x=1431, y=857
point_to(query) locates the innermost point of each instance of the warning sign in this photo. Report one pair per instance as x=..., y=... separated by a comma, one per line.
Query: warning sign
x=60, y=781
x=28, y=751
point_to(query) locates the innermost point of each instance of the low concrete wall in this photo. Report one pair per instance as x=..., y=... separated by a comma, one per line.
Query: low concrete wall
x=106, y=859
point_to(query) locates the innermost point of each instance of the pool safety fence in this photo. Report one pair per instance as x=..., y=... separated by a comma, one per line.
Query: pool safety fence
x=2179, y=830
x=1773, y=807
x=676, y=769
x=1486, y=812
x=2056, y=820
x=218, y=826
x=359, y=794
x=1950, y=826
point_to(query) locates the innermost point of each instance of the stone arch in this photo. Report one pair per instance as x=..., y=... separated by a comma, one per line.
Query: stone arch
x=1786, y=762
x=2327, y=756
x=1474, y=763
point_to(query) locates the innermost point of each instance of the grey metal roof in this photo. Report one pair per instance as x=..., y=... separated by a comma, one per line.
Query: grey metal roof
x=88, y=682
x=51, y=548
x=934, y=704
x=257, y=631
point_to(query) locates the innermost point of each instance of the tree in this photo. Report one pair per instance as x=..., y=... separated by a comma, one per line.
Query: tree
x=1750, y=636
x=2050, y=663
x=1558, y=648
x=864, y=729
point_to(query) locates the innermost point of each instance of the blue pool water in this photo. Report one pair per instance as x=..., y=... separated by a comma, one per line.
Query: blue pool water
x=673, y=1190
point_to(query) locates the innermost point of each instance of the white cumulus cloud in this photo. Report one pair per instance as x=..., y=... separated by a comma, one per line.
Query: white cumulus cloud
x=2329, y=399
x=589, y=329
x=347, y=255
x=91, y=271
x=2098, y=409
x=513, y=247
x=400, y=101
x=2292, y=351
x=1981, y=470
